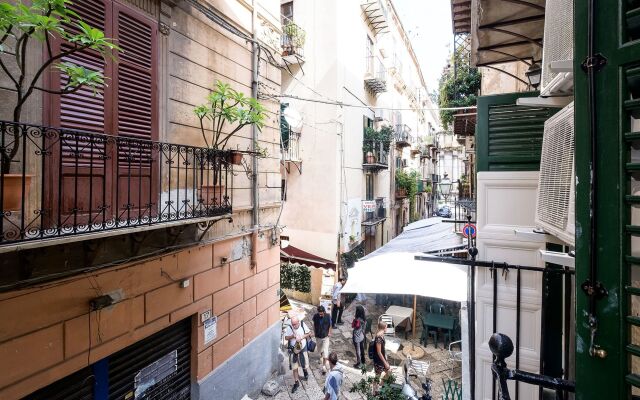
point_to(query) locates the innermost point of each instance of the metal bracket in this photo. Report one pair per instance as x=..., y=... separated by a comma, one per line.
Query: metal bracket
x=596, y=289
x=595, y=62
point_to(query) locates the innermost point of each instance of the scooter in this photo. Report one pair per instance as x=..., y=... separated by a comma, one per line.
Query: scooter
x=410, y=393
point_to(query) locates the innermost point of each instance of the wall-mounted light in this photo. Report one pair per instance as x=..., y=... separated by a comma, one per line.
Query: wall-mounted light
x=534, y=75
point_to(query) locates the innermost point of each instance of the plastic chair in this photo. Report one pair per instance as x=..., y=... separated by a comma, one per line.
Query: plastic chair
x=388, y=320
x=437, y=308
x=455, y=357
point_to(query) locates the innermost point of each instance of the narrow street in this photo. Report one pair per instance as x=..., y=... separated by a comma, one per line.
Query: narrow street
x=440, y=366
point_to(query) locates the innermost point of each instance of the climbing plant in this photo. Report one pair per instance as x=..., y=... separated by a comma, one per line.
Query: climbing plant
x=408, y=182
x=386, y=391
x=458, y=87
x=295, y=277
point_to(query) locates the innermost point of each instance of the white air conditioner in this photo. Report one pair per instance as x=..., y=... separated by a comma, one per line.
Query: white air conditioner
x=555, y=206
x=557, y=53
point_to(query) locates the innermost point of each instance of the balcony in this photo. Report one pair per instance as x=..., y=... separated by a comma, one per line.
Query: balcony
x=403, y=136
x=375, y=155
x=292, y=42
x=373, y=211
x=401, y=193
x=376, y=15
x=65, y=183
x=291, y=148
x=375, y=77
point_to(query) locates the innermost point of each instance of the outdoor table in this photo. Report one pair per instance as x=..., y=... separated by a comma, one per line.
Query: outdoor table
x=401, y=317
x=436, y=320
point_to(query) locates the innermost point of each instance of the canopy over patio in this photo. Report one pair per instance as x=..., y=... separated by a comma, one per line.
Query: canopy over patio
x=393, y=269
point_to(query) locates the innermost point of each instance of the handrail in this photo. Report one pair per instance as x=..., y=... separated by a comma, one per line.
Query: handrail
x=70, y=182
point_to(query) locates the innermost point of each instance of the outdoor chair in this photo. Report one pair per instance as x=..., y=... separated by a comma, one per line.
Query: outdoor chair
x=388, y=320
x=437, y=308
x=455, y=357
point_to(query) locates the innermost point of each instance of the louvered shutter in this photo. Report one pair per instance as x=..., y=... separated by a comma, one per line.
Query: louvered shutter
x=135, y=113
x=78, y=190
x=509, y=137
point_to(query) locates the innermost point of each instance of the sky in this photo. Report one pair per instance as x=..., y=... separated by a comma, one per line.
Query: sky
x=428, y=24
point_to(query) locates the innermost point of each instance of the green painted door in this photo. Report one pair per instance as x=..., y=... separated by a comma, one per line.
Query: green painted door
x=616, y=244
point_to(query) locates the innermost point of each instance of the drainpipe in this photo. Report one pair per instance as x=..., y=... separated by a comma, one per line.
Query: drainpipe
x=254, y=135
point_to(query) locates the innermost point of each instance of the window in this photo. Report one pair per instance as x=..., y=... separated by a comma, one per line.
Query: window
x=369, y=55
x=369, y=186
x=286, y=12
x=126, y=107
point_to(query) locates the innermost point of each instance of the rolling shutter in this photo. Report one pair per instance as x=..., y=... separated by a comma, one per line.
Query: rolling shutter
x=126, y=364
x=77, y=386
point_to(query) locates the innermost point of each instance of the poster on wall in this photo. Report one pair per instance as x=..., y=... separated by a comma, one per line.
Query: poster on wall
x=210, y=329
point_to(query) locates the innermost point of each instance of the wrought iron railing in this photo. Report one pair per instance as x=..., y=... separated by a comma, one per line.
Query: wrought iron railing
x=375, y=75
x=293, y=38
x=502, y=347
x=403, y=134
x=64, y=182
x=375, y=152
x=291, y=149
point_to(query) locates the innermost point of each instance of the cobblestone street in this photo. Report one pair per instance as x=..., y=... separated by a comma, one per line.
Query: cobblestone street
x=440, y=367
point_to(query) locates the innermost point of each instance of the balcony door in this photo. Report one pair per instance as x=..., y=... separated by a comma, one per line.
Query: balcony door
x=93, y=180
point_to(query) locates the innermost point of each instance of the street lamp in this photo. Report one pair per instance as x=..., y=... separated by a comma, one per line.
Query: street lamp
x=534, y=75
x=445, y=187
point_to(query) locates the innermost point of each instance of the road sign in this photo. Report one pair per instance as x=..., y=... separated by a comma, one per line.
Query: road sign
x=469, y=229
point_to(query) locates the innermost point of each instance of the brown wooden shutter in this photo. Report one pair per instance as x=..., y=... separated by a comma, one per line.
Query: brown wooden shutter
x=135, y=112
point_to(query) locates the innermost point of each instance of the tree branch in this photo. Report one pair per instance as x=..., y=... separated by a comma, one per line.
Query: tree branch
x=6, y=71
x=203, y=134
x=6, y=34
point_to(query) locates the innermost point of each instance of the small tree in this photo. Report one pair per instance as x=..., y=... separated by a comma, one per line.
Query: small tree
x=226, y=105
x=44, y=21
x=386, y=390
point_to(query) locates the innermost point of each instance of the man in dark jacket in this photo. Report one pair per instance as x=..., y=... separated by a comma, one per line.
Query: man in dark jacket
x=322, y=331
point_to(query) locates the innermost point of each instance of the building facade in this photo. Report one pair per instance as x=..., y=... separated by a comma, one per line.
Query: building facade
x=135, y=277
x=356, y=54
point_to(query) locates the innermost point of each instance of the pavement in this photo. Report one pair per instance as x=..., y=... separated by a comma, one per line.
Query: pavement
x=440, y=368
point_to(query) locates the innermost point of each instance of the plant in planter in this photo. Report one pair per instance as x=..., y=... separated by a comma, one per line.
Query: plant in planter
x=43, y=21
x=374, y=140
x=224, y=106
x=296, y=38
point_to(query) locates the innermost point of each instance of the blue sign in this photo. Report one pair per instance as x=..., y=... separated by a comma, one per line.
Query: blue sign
x=469, y=230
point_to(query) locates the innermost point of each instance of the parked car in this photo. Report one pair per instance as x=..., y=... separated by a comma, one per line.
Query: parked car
x=444, y=212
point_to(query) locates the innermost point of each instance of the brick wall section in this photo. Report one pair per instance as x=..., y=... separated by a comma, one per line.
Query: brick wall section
x=48, y=334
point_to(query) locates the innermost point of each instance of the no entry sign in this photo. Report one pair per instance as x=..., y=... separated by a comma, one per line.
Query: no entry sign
x=469, y=230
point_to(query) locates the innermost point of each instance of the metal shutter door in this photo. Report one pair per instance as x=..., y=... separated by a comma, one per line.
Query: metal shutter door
x=77, y=386
x=124, y=365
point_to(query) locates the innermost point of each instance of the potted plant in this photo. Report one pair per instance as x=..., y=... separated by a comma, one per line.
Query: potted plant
x=224, y=105
x=41, y=21
x=295, y=38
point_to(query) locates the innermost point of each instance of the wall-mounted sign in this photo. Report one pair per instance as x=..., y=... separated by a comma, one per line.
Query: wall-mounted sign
x=368, y=206
x=210, y=329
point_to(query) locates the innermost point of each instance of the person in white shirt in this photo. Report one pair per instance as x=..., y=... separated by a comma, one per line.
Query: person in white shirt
x=334, y=379
x=297, y=334
x=337, y=302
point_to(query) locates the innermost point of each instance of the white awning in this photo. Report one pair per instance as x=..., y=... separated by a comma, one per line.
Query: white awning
x=401, y=273
x=393, y=269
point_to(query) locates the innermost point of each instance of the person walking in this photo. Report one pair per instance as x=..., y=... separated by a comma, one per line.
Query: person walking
x=297, y=334
x=380, y=363
x=322, y=332
x=337, y=303
x=334, y=380
x=358, y=335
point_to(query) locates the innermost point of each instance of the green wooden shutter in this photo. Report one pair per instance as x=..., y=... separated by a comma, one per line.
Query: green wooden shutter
x=509, y=137
x=285, y=129
x=616, y=376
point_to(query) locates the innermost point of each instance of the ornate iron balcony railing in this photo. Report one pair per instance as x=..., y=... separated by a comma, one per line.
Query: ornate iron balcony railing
x=64, y=182
x=375, y=155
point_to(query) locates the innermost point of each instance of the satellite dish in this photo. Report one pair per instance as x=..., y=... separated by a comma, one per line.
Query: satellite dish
x=293, y=118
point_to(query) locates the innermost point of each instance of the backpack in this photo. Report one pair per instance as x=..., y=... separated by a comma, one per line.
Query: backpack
x=372, y=349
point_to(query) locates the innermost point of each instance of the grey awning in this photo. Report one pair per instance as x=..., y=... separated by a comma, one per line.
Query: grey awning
x=506, y=30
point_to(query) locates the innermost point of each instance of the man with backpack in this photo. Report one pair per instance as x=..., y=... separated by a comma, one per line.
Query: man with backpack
x=334, y=380
x=297, y=334
x=322, y=331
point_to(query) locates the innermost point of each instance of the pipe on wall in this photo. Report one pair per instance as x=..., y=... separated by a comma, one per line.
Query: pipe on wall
x=255, y=62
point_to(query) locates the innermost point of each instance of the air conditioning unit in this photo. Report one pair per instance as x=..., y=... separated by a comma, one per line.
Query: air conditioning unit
x=555, y=205
x=557, y=53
